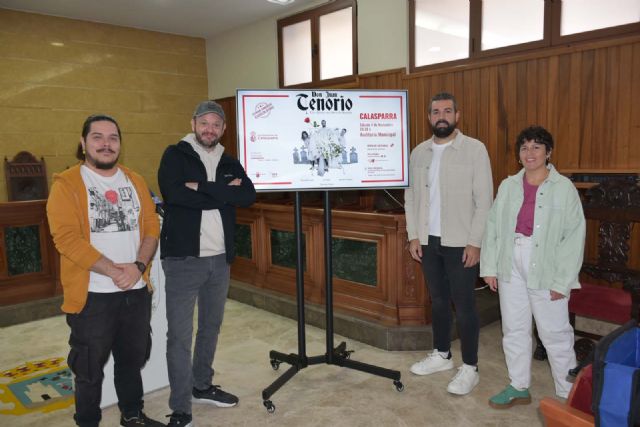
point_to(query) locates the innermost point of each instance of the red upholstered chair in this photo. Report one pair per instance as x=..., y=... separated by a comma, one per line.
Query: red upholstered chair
x=576, y=412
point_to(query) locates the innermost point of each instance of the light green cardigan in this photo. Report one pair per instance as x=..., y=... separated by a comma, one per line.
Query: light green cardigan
x=558, y=233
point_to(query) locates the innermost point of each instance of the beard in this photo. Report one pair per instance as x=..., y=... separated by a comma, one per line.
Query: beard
x=100, y=164
x=204, y=143
x=443, y=132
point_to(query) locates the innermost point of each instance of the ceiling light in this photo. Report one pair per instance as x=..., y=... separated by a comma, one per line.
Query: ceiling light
x=281, y=2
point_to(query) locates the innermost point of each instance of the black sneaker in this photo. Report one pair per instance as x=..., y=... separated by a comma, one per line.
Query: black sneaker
x=139, y=420
x=180, y=419
x=214, y=395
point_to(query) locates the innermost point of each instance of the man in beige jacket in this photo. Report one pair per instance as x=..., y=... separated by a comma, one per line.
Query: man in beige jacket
x=446, y=207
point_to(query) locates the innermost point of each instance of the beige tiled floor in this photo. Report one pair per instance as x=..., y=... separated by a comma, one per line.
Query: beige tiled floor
x=317, y=396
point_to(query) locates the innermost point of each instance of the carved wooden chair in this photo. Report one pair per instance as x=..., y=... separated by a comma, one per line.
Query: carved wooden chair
x=26, y=177
x=610, y=288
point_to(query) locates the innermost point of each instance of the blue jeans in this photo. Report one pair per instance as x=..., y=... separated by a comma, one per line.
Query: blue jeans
x=448, y=280
x=116, y=322
x=189, y=279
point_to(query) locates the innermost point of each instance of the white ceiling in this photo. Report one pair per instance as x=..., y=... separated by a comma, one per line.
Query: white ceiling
x=197, y=18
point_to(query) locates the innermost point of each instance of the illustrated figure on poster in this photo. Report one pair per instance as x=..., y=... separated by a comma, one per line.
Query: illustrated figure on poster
x=325, y=147
x=312, y=151
x=296, y=156
x=343, y=145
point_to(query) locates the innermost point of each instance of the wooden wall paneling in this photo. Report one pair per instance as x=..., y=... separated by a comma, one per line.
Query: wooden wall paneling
x=611, y=115
x=458, y=83
x=542, y=99
x=420, y=108
x=600, y=151
x=496, y=152
x=423, y=127
x=623, y=100
x=475, y=102
x=532, y=93
x=634, y=128
x=483, y=103
x=586, y=109
x=508, y=74
x=521, y=96
x=571, y=142
x=562, y=122
x=550, y=118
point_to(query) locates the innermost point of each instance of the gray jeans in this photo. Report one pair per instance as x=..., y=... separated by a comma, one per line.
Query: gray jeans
x=187, y=280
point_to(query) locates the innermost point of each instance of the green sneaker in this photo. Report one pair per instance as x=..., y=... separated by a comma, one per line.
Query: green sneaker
x=509, y=397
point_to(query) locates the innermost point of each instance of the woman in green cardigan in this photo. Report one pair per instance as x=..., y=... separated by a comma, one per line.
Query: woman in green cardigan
x=531, y=255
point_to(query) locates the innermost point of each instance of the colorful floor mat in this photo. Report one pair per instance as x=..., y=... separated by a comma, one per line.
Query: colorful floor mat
x=44, y=385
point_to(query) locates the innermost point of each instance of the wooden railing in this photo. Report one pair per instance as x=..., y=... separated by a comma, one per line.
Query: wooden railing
x=29, y=267
x=398, y=296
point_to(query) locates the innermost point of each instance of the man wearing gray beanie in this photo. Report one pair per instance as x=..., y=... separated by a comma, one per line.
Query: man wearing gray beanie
x=201, y=187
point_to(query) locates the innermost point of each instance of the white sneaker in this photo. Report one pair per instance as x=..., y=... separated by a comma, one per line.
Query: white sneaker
x=464, y=381
x=431, y=364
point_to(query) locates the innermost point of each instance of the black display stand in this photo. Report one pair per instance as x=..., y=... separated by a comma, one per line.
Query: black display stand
x=339, y=355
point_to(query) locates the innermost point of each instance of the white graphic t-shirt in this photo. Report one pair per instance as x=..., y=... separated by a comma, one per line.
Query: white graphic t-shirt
x=114, y=208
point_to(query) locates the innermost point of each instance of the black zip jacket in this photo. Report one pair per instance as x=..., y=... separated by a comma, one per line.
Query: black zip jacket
x=180, y=235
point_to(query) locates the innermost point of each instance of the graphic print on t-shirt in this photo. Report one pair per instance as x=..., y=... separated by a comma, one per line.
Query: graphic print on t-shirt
x=114, y=211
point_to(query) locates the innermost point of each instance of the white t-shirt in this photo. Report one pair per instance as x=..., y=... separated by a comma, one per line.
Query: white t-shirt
x=434, y=189
x=114, y=209
x=211, y=230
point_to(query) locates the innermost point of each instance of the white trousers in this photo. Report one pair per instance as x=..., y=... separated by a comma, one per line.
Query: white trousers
x=517, y=305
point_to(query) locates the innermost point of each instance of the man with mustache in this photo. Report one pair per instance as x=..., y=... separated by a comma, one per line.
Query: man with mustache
x=104, y=225
x=201, y=187
x=446, y=207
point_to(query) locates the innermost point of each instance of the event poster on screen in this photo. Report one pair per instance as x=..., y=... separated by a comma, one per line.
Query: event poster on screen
x=297, y=140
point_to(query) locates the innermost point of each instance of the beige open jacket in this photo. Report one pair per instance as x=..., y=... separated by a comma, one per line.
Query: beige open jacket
x=466, y=192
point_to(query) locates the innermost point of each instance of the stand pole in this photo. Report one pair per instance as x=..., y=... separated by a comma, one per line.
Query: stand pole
x=334, y=356
x=328, y=274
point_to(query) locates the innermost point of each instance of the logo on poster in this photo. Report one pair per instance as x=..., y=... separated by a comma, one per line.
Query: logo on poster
x=252, y=137
x=262, y=110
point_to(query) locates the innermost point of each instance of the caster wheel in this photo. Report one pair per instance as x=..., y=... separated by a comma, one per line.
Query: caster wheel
x=275, y=364
x=399, y=385
x=271, y=408
x=347, y=354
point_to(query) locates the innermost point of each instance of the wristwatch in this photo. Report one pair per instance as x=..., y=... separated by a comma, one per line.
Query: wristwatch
x=140, y=266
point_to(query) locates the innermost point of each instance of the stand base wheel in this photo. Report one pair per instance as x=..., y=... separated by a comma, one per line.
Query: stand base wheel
x=399, y=385
x=275, y=364
x=347, y=354
x=271, y=408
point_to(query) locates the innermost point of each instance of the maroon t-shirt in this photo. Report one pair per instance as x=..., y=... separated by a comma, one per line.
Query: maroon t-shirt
x=527, y=210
